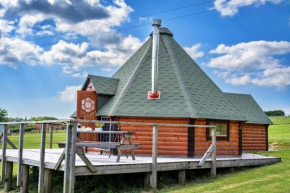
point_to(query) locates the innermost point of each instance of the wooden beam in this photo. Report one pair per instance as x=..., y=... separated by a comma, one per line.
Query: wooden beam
x=47, y=180
x=267, y=138
x=67, y=157
x=147, y=179
x=8, y=180
x=241, y=138
x=25, y=179
x=11, y=144
x=88, y=163
x=42, y=159
x=61, y=158
x=213, y=155
x=4, y=147
x=20, y=155
x=51, y=135
x=153, y=182
x=190, y=139
x=181, y=176
x=73, y=157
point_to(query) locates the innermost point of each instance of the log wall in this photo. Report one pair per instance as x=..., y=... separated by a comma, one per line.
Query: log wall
x=172, y=141
x=224, y=147
x=254, y=137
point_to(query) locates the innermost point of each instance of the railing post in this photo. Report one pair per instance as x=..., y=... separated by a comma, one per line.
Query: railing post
x=20, y=154
x=153, y=182
x=67, y=158
x=70, y=156
x=4, y=147
x=213, y=167
x=42, y=159
x=51, y=135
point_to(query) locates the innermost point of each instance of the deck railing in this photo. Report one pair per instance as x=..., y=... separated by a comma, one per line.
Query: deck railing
x=70, y=151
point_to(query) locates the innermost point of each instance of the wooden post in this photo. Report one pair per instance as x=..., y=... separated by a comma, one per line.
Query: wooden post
x=20, y=155
x=153, y=181
x=25, y=178
x=8, y=180
x=147, y=179
x=42, y=159
x=4, y=147
x=181, y=176
x=47, y=180
x=51, y=135
x=213, y=155
x=67, y=158
x=72, y=157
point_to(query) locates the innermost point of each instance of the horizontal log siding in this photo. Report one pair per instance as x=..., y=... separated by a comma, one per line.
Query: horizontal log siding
x=254, y=137
x=172, y=141
x=224, y=147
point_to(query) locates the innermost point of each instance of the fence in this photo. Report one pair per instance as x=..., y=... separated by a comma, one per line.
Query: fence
x=69, y=154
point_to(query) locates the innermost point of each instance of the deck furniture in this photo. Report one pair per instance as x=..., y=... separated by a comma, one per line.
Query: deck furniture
x=118, y=145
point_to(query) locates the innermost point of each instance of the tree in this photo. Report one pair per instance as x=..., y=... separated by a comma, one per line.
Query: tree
x=275, y=113
x=3, y=115
x=43, y=118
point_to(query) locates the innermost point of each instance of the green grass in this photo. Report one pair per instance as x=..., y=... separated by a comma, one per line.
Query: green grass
x=32, y=140
x=280, y=120
x=279, y=133
x=273, y=178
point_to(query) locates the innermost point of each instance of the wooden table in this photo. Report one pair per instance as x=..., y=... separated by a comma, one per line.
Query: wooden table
x=119, y=145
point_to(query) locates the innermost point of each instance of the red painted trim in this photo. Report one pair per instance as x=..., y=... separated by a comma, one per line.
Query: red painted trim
x=154, y=96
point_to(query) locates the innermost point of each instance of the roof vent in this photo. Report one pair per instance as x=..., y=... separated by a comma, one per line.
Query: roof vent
x=154, y=94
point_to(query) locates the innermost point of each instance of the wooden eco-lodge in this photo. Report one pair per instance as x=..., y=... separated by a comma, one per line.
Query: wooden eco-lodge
x=165, y=106
x=184, y=94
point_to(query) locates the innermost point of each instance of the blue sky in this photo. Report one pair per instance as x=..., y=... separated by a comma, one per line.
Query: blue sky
x=48, y=47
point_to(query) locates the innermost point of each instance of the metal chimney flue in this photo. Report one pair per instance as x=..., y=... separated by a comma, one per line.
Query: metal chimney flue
x=154, y=93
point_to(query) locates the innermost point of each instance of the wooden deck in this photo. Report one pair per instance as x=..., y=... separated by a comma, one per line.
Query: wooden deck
x=106, y=165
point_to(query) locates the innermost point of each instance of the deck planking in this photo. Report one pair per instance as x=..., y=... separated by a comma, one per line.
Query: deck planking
x=106, y=165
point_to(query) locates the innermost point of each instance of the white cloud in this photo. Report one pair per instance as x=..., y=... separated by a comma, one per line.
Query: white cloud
x=80, y=75
x=253, y=63
x=90, y=23
x=249, y=56
x=231, y=7
x=70, y=93
x=193, y=51
x=26, y=52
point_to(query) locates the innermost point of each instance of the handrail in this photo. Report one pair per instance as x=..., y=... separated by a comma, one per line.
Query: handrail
x=112, y=122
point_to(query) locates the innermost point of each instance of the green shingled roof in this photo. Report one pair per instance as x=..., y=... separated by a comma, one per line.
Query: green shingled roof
x=103, y=85
x=186, y=91
x=248, y=107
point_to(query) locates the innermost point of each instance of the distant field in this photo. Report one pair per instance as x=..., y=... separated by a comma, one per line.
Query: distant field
x=280, y=120
x=279, y=133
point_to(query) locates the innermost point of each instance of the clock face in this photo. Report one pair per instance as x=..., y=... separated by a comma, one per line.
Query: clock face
x=88, y=105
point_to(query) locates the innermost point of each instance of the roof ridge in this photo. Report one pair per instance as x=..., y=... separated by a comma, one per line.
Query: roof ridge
x=237, y=93
x=183, y=88
x=92, y=75
x=128, y=84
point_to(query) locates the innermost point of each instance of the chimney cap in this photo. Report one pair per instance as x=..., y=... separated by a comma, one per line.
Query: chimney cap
x=156, y=22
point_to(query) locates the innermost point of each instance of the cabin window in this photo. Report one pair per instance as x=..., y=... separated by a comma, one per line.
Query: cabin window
x=222, y=130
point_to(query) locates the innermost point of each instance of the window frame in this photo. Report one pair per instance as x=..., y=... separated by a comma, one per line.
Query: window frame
x=219, y=138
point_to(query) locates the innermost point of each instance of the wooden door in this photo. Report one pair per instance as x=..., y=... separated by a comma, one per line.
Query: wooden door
x=87, y=110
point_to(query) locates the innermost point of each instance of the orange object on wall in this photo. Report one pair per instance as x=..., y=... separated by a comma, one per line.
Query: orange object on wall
x=87, y=110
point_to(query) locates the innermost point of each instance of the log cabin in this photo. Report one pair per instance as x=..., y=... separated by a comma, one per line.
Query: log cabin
x=161, y=83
